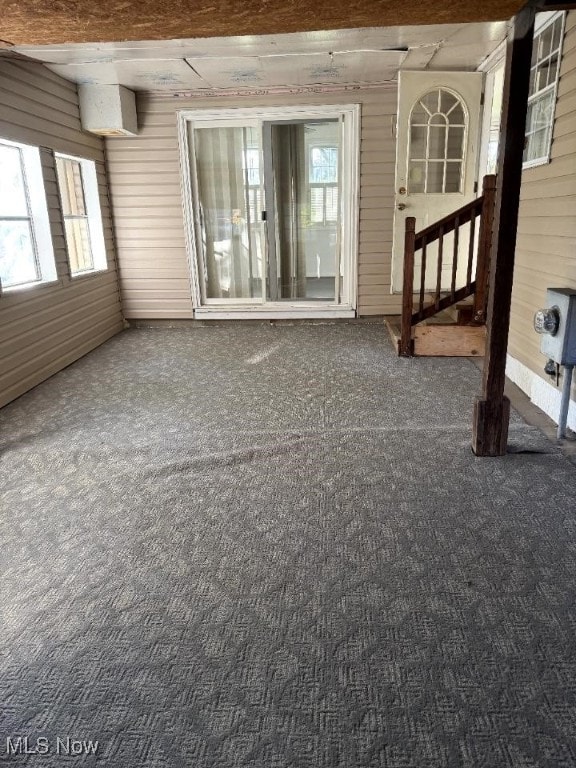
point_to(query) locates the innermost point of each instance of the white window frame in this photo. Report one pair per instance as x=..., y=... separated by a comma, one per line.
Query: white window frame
x=37, y=216
x=94, y=216
x=543, y=21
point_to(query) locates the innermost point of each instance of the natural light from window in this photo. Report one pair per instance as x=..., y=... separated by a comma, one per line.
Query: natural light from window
x=26, y=254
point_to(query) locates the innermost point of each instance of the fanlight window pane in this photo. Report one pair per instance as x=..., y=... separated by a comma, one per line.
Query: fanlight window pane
x=457, y=116
x=447, y=101
x=431, y=101
x=437, y=140
x=420, y=116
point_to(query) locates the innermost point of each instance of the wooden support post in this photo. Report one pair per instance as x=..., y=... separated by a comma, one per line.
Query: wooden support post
x=484, y=248
x=492, y=409
x=405, y=344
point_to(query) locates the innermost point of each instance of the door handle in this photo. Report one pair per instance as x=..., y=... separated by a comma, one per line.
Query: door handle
x=401, y=206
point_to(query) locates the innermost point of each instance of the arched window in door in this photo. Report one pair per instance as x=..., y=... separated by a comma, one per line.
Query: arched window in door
x=437, y=146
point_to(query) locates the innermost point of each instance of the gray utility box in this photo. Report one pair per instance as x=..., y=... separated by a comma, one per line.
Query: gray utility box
x=560, y=345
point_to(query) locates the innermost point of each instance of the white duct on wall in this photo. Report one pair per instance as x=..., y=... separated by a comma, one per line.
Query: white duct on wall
x=108, y=110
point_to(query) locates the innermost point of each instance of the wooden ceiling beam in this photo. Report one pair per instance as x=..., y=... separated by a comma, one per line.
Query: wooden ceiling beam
x=43, y=22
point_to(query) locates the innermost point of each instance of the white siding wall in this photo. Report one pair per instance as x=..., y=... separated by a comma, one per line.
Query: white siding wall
x=145, y=186
x=546, y=250
x=45, y=328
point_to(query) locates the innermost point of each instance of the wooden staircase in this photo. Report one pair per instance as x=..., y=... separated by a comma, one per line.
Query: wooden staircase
x=447, y=321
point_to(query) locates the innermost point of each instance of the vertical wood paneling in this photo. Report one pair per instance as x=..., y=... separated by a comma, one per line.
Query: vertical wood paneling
x=546, y=245
x=45, y=328
x=145, y=188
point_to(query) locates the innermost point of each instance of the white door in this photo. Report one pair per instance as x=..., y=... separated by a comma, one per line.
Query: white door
x=436, y=155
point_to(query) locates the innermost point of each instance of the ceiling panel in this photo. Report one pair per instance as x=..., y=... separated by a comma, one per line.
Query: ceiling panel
x=300, y=70
x=341, y=57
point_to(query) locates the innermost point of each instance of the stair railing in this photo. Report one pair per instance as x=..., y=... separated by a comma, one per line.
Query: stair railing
x=482, y=208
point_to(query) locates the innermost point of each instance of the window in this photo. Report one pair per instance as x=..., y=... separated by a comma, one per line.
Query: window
x=437, y=143
x=251, y=170
x=81, y=211
x=26, y=253
x=323, y=184
x=546, y=52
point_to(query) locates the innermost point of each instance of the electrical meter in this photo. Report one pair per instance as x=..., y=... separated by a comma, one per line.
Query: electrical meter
x=557, y=325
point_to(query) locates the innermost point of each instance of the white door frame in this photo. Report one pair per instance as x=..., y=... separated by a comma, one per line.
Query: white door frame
x=242, y=308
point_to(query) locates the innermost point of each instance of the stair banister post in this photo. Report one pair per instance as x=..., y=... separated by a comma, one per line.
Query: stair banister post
x=484, y=248
x=405, y=345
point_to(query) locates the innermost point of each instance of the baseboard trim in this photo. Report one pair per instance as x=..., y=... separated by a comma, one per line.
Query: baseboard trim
x=541, y=393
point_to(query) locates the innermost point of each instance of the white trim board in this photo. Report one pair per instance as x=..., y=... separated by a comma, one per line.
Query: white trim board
x=204, y=313
x=541, y=393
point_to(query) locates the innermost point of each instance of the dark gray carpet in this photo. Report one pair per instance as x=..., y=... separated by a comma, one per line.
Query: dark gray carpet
x=272, y=547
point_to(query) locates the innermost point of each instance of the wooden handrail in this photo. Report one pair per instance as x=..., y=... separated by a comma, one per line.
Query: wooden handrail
x=482, y=207
x=446, y=224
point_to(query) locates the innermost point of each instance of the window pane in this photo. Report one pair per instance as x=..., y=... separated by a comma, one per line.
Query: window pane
x=545, y=42
x=419, y=115
x=453, y=173
x=78, y=241
x=70, y=182
x=431, y=101
x=556, y=41
x=417, y=142
x=435, y=180
x=437, y=142
x=416, y=176
x=447, y=101
x=12, y=189
x=323, y=165
x=17, y=261
x=537, y=145
x=456, y=116
x=540, y=112
x=551, y=67
x=455, y=143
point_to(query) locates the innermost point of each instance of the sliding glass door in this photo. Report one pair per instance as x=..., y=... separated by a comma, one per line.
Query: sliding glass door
x=267, y=208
